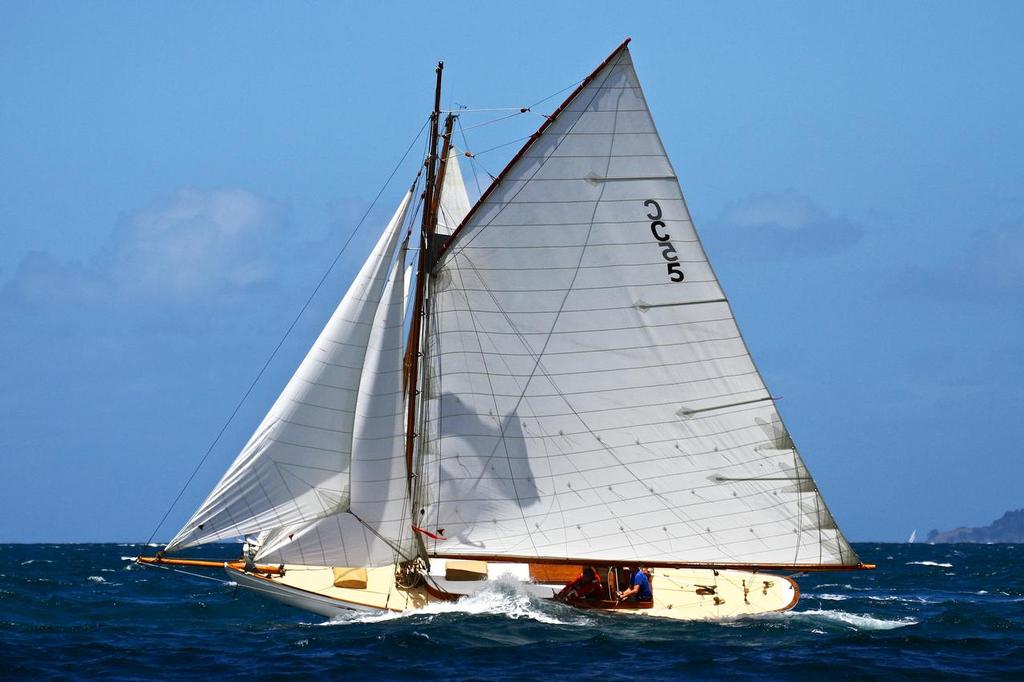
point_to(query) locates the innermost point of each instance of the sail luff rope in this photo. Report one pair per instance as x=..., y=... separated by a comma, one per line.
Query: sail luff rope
x=420, y=449
x=287, y=333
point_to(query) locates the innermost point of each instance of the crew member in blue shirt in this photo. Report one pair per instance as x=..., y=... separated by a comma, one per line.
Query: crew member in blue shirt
x=640, y=587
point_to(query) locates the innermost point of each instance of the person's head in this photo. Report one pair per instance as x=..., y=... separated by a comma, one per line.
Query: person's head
x=589, y=573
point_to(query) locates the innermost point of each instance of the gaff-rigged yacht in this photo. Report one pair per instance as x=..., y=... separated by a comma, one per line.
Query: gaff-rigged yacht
x=569, y=389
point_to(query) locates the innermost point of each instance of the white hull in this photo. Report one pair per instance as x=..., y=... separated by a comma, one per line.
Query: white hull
x=307, y=601
x=679, y=594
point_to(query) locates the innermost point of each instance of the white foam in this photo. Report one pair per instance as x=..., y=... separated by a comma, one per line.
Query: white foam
x=98, y=579
x=500, y=597
x=828, y=597
x=929, y=563
x=901, y=599
x=33, y=561
x=854, y=621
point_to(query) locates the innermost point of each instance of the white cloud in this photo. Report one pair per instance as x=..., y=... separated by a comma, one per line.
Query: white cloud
x=198, y=243
x=783, y=225
x=992, y=267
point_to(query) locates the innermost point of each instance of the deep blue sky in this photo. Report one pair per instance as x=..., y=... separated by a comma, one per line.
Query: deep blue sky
x=174, y=181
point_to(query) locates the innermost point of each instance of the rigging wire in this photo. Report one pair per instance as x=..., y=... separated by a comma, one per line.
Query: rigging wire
x=194, y=575
x=287, y=333
x=505, y=144
x=517, y=111
x=473, y=110
x=496, y=120
x=555, y=94
x=472, y=161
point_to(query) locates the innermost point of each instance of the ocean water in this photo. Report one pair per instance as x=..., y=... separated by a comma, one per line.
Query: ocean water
x=85, y=611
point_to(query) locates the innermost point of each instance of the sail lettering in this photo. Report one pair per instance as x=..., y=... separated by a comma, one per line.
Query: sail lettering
x=668, y=250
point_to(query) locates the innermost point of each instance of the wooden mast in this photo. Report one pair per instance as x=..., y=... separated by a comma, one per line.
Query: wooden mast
x=442, y=169
x=427, y=226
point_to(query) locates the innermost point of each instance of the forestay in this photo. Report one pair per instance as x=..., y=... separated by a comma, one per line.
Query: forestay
x=589, y=394
x=295, y=467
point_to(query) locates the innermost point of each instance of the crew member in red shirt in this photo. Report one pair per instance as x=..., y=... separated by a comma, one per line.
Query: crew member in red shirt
x=586, y=586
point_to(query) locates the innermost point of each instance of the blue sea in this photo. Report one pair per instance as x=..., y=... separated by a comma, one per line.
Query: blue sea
x=87, y=612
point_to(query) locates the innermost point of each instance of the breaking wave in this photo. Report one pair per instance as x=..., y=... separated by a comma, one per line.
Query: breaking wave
x=854, y=621
x=937, y=564
x=502, y=597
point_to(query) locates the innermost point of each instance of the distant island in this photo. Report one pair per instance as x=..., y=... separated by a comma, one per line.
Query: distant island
x=1009, y=528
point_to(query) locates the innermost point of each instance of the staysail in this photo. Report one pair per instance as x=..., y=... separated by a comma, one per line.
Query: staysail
x=374, y=530
x=295, y=468
x=588, y=392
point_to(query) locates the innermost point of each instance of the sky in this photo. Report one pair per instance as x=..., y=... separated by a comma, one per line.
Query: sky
x=176, y=178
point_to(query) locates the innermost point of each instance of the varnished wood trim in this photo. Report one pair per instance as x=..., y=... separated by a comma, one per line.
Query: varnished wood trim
x=577, y=561
x=206, y=563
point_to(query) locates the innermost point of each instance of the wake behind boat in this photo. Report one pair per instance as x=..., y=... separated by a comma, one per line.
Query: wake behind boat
x=560, y=394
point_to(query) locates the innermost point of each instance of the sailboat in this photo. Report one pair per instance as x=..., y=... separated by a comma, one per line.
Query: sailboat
x=561, y=386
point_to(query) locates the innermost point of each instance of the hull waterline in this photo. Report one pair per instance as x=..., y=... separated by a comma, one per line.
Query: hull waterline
x=679, y=594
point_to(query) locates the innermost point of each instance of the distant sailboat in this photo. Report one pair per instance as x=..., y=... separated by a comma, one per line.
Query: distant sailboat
x=573, y=391
x=913, y=537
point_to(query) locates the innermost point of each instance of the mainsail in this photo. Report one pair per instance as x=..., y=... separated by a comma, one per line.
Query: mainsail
x=588, y=393
x=295, y=468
